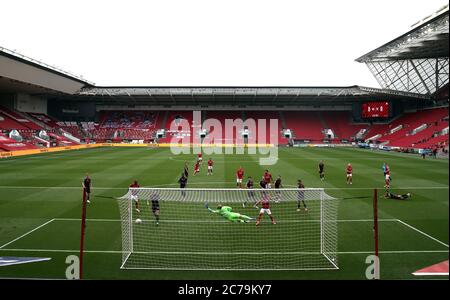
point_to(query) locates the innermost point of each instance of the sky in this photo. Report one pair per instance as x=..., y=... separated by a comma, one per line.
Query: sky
x=209, y=42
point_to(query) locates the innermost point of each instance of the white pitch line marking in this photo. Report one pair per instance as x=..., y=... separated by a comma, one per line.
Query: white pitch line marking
x=216, y=182
x=27, y=233
x=219, y=221
x=421, y=232
x=224, y=253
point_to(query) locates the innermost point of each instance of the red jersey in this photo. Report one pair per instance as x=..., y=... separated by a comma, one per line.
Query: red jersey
x=267, y=177
x=200, y=155
x=265, y=203
x=240, y=173
x=349, y=169
x=134, y=185
x=388, y=172
x=210, y=163
x=196, y=167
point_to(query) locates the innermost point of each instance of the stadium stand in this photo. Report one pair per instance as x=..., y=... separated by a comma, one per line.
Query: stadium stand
x=412, y=128
x=341, y=123
x=9, y=144
x=305, y=125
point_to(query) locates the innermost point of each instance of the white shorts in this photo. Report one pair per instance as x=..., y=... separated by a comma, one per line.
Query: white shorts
x=200, y=159
x=265, y=210
x=349, y=175
x=209, y=167
x=239, y=180
x=388, y=177
x=268, y=186
x=134, y=198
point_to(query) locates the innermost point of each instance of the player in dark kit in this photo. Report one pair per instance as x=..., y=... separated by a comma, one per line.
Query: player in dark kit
x=278, y=185
x=301, y=195
x=250, y=193
x=321, y=170
x=87, y=186
x=186, y=170
x=398, y=196
x=155, y=206
x=262, y=183
x=183, y=182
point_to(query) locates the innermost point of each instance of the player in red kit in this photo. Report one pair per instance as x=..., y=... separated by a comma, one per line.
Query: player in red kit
x=265, y=209
x=210, y=166
x=239, y=177
x=134, y=194
x=200, y=157
x=196, y=168
x=267, y=179
x=349, y=174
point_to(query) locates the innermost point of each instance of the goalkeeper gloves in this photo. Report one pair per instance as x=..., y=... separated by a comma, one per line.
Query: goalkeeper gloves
x=206, y=205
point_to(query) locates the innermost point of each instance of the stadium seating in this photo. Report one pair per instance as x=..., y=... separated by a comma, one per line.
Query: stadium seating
x=305, y=125
x=404, y=137
x=268, y=115
x=8, y=144
x=340, y=122
x=45, y=119
x=14, y=120
x=73, y=128
x=421, y=129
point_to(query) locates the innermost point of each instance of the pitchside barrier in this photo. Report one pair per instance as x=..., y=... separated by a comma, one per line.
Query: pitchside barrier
x=162, y=145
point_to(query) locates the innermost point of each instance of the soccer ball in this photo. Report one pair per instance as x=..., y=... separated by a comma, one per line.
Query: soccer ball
x=138, y=221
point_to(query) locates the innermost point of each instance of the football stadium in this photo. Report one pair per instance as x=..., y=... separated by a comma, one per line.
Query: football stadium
x=229, y=182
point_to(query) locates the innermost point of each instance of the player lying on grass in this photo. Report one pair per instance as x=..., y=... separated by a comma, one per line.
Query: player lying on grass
x=397, y=196
x=226, y=212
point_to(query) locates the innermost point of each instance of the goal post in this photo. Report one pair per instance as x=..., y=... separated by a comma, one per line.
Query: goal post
x=190, y=232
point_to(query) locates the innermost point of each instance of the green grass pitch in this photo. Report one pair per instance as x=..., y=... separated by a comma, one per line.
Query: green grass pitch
x=46, y=190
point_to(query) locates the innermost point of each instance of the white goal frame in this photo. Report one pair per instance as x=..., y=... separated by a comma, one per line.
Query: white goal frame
x=322, y=211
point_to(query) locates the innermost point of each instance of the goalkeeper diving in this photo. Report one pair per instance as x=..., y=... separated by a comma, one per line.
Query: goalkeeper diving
x=227, y=213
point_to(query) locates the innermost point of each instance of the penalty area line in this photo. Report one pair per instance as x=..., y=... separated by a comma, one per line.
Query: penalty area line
x=421, y=232
x=27, y=233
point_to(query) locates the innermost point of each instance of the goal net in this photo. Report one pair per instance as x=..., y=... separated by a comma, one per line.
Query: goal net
x=175, y=230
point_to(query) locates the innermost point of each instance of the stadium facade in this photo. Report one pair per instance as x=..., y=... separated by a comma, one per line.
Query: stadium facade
x=43, y=106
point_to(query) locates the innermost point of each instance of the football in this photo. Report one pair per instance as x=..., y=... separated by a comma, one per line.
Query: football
x=138, y=221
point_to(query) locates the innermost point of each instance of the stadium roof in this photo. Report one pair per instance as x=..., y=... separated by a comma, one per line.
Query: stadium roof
x=238, y=96
x=353, y=91
x=37, y=63
x=428, y=39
